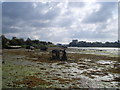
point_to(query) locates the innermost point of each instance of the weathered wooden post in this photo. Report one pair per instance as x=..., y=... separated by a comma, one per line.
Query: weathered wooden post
x=64, y=56
x=55, y=55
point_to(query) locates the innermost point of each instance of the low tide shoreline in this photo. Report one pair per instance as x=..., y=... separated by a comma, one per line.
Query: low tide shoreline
x=24, y=69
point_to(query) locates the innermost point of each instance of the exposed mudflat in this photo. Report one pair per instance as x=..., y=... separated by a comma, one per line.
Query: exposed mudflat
x=81, y=70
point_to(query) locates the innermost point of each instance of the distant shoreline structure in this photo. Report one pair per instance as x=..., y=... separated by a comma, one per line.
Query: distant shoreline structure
x=76, y=43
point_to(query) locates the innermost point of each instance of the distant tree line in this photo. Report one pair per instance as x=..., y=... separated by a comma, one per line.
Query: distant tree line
x=23, y=43
x=76, y=43
x=41, y=44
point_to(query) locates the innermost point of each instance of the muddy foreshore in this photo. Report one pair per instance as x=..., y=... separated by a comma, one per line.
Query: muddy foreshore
x=34, y=69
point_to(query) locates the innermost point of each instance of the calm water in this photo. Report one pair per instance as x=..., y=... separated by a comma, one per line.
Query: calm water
x=94, y=50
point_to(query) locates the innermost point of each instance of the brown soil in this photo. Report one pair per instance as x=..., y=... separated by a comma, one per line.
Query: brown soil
x=62, y=81
x=32, y=81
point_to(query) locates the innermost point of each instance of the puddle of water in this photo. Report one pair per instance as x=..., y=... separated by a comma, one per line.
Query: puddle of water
x=87, y=60
x=104, y=62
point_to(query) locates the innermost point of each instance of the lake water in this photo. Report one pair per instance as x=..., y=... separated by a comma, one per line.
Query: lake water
x=94, y=50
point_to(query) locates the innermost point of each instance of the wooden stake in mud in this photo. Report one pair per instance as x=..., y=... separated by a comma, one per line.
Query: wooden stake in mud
x=56, y=55
x=64, y=56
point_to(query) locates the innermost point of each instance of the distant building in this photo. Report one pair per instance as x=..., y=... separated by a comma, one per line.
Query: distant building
x=75, y=41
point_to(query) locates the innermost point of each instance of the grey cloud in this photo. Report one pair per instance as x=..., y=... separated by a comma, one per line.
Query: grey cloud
x=40, y=24
x=91, y=35
x=42, y=20
x=101, y=27
x=103, y=14
x=15, y=12
x=66, y=22
x=76, y=4
x=9, y=30
x=26, y=11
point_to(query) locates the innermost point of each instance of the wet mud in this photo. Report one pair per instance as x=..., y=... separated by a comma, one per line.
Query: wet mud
x=31, y=69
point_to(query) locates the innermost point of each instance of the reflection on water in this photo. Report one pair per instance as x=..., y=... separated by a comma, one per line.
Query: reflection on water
x=104, y=62
x=94, y=50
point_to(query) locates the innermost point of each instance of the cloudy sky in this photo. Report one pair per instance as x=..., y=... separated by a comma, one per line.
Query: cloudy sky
x=60, y=22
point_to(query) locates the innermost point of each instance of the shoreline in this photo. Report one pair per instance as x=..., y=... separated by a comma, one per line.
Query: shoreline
x=80, y=71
